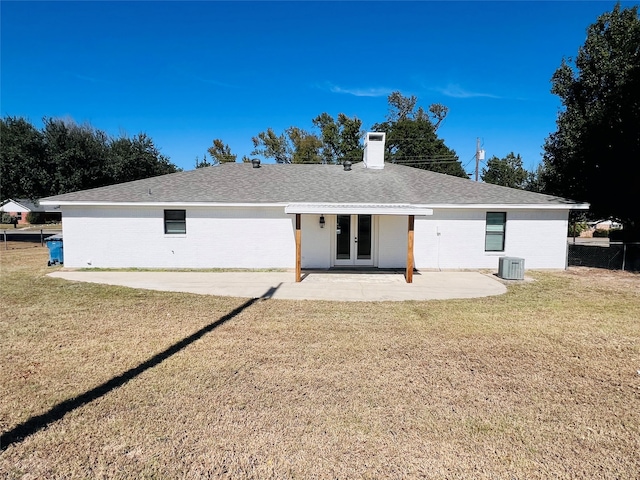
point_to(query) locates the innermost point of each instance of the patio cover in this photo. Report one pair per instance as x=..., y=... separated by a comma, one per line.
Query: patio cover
x=357, y=209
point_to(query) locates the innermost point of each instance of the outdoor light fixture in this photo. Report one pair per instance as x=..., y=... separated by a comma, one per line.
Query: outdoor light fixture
x=338, y=229
x=321, y=221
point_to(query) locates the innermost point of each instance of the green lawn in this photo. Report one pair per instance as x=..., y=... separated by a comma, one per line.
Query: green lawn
x=111, y=382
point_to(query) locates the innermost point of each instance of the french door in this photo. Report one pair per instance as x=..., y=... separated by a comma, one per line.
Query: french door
x=354, y=240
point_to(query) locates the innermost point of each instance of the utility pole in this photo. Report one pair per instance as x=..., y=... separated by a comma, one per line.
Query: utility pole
x=479, y=156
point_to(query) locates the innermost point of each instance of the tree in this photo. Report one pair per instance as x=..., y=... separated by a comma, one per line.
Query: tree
x=304, y=145
x=24, y=170
x=270, y=145
x=507, y=171
x=534, y=181
x=221, y=153
x=438, y=112
x=65, y=157
x=79, y=155
x=401, y=107
x=341, y=139
x=411, y=138
x=293, y=146
x=594, y=154
x=136, y=158
x=204, y=162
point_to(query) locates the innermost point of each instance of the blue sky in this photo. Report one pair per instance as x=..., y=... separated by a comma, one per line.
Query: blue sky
x=188, y=72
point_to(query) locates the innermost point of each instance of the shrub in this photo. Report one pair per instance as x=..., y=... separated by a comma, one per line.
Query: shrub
x=598, y=233
x=575, y=229
x=35, y=217
x=5, y=217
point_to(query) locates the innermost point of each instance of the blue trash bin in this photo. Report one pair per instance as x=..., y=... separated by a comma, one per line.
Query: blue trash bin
x=54, y=244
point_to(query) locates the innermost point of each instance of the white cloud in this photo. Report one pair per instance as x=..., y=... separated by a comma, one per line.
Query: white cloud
x=359, y=92
x=456, y=91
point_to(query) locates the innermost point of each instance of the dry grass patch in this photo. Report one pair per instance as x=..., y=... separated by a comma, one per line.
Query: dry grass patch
x=32, y=226
x=11, y=245
x=540, y=382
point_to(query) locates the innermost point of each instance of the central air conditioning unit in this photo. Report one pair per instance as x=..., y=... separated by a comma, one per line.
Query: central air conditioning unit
x=511, y=268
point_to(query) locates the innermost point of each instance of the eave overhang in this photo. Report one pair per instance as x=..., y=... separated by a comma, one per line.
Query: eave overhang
x=510, y=206
x=91, y=203
x=331, y=208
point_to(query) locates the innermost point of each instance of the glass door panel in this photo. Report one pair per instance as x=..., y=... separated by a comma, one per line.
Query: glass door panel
x=364, y=237
x=354, y=240
x=343, y=238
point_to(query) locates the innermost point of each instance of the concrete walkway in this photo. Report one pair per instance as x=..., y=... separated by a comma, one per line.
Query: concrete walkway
x=340, y=286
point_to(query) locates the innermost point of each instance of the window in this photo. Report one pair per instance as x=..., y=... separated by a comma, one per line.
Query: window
x=19, y=215
x=175, y=221
x=495, y=230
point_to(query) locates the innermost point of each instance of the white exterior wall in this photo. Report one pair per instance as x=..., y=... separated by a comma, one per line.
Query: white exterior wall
x=455, y=238
x=392, y=241
x=264, y=237
x=316, y=241
x=217, y=237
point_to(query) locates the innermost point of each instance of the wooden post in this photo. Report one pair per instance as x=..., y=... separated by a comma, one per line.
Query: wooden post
x=409, y=273
x=5, y=239
x=298, y=249
x=41, y=238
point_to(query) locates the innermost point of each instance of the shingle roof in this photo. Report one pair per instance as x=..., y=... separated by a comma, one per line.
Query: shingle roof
x=275, y=183
x=27, y=204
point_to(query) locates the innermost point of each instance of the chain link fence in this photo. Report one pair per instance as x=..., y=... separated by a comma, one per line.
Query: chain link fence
x=614, y=256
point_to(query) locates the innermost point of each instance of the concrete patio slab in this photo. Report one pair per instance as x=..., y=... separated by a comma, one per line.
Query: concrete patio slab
x=338, y=286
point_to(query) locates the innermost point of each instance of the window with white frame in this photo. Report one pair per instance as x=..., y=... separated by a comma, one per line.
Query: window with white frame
x=175, y=221
x=495, y=231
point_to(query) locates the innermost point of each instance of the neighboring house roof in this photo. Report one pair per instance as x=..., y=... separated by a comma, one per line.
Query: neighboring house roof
x=240, y=183
x=23, y=205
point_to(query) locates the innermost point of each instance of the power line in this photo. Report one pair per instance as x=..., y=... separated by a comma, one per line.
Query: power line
x=412, y=162
x=473, y=157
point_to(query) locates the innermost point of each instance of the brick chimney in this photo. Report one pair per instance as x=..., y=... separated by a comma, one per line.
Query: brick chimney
x=374, y=150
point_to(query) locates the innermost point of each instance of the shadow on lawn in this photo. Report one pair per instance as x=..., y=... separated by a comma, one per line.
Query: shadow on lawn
x=34, y=424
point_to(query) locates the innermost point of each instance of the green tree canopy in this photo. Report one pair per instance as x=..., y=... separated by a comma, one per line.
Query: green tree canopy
x=204, y=162
x=270, y=145
x=594, y=155
x=136, y=158
x=534, y=181
x=304, y=145
x=79, y=154
x=295, y=145
x=221, y=152
x=411, y=137
x=65, y=157
x=507, y=171
x=341, y=139
x=24, y=169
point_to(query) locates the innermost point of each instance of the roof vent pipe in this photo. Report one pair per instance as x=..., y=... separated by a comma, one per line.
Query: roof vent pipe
x=255, y=162
x=347, y=166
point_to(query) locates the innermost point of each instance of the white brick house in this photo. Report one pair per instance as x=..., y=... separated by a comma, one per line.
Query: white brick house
x=312, y=216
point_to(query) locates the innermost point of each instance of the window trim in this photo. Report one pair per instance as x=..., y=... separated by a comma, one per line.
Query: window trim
x=175, y=222
x=488, y=234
